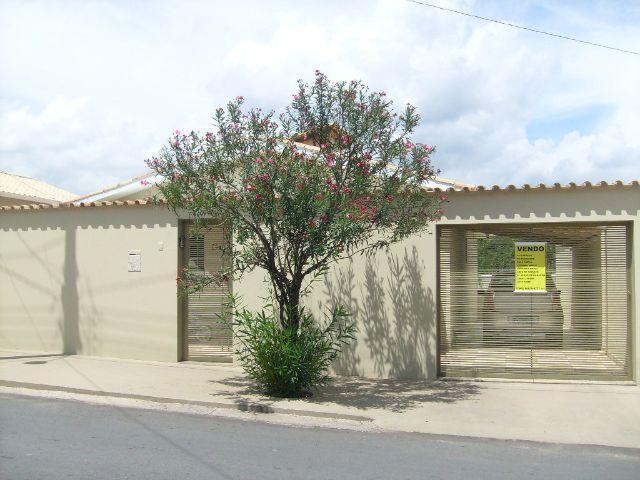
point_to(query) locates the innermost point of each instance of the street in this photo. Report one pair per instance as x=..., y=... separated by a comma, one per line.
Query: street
x=43, y=438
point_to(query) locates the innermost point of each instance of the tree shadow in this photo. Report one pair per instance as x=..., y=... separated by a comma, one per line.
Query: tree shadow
x=361, y=393
x=390, y=394
x=340, y=291
x=395, y=314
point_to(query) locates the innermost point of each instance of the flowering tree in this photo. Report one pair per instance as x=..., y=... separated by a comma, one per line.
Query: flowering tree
x=336, y=174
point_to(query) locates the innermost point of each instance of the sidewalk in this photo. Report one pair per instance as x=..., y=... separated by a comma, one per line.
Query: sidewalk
x=547, y=412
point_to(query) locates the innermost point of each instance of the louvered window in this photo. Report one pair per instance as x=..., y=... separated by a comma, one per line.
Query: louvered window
x=578, y=326
x=207, y=335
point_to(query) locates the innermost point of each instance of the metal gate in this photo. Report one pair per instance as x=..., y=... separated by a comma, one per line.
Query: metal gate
x=207, y=336
x=578, y=327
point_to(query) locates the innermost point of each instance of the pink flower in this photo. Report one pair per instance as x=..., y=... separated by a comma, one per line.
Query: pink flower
x=332, y=186
x=296, y=97
x=177, y=133
x=330, y=159
x=239, y=98
x=144, y=182
x=270, y=160
x=259, y=160
x=209, y=136
x=409, y=145
x=323, y=146
x=345, y=139
x=258, y=196
x=350, y=216
x=390, y=197
x=346, y=190
x=250, y=188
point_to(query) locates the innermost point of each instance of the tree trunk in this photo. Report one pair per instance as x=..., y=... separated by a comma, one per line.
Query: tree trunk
x=289, y=305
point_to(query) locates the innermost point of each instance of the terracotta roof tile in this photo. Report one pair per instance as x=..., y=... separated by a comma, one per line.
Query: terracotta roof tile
x=29, y=188
x=542, y=186
x=45, y=206
x=479, y=188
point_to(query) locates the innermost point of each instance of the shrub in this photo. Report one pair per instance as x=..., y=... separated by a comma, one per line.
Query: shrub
x=287, y=361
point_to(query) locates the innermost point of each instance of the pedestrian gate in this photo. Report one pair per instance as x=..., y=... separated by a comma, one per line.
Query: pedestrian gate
x=207, y=336
x=577, y=326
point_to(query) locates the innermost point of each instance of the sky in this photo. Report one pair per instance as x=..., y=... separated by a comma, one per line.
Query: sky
x=90, y=89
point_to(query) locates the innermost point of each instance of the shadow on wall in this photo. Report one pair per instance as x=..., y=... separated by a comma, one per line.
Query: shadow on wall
x=47, y=285
x=395, y=314
x=69, y=323
x=57, y=291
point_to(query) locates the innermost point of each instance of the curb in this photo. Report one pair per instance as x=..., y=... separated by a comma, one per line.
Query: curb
x=252, y=407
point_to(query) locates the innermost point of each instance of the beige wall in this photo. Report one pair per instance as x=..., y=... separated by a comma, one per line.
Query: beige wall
x=65, y=285
x=393, y=296
x=392, y=299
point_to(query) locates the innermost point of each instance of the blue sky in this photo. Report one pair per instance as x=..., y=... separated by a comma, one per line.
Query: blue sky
x=90, y=89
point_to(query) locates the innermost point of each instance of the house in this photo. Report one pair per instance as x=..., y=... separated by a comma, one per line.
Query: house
x=97, y=276
x=20, y=190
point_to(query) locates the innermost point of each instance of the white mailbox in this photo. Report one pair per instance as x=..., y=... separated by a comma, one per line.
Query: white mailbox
x=135, y=261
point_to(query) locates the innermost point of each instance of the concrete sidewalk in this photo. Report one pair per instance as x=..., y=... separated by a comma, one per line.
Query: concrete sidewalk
x=547, y=412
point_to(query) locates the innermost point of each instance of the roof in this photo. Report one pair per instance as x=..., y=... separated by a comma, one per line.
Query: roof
x=480, y=188
x=541, y=187
x=104, y=192
x=71, y=205
x=145, y=182
x=446, y=183
x=31, y=190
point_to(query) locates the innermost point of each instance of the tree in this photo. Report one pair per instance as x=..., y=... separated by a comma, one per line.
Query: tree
x=336, y=174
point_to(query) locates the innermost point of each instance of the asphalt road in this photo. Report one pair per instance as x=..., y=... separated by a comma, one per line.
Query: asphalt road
x=52, y=439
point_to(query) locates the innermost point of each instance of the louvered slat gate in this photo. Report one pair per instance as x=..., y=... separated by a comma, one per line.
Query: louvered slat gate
x=207, y=338
x=578, y=329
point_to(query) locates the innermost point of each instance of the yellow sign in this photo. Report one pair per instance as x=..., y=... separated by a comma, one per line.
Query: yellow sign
x=531, y=267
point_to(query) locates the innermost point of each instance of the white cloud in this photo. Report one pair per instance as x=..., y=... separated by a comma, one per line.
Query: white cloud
x=91, y=89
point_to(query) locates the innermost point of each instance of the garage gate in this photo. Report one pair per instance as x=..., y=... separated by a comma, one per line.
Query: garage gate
x=207, y=335
x=577, y=328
